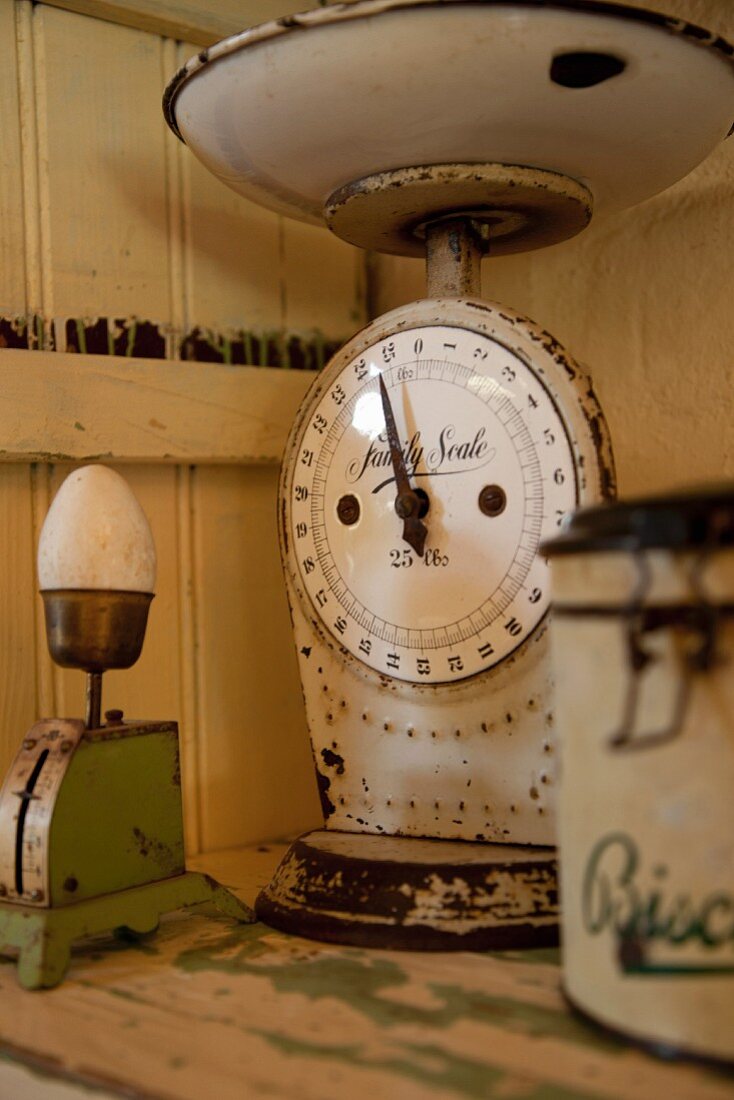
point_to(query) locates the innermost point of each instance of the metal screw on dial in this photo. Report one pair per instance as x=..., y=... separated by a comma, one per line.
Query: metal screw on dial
x=492, y=500
x=348, y=509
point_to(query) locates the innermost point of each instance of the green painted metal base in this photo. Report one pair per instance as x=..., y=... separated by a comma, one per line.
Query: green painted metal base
x=43, y=937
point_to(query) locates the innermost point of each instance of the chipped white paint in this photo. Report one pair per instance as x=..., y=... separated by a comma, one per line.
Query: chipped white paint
x=96, y=536
x=404, y=891
x=465, y=753
x=52, y=742
x=456, y=902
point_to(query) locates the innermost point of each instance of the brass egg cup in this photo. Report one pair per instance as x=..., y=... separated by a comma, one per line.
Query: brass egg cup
x=95, y=630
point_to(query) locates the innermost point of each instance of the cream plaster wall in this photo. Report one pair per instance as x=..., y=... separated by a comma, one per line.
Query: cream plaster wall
x=646, y=300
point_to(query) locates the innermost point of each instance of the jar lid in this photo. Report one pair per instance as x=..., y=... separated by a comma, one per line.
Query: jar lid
x=696, y=517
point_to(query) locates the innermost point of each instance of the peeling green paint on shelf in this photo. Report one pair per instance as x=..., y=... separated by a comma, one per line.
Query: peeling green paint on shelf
x=212, y=953
x=361, y=979
x=429, y=1066
x=547, y=956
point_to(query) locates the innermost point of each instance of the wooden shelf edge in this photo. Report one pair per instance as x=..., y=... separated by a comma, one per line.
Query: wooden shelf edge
x=68, y=407
x=199, y=22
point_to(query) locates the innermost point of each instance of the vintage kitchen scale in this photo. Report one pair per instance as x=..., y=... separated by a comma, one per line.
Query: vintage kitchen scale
x=450, y=436
x=91, y=826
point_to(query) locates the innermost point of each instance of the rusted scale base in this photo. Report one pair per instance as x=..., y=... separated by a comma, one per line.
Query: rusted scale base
x=414, y=894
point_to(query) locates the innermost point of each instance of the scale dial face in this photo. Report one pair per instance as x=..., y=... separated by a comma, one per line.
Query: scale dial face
x=485, y=448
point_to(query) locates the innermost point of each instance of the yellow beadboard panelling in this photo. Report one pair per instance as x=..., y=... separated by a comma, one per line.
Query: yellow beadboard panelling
x=34, y=138
x=324, y=281
x=85, y=407
x=47, y=674
x=225, y=255
x=105, y=167
x=189, y=713
x=255, y=771
x=177, y=210
x=12, y=236
x=198, y=21
x=18, y=702
x=233, y=266
x=232, y=256
x=118, y=217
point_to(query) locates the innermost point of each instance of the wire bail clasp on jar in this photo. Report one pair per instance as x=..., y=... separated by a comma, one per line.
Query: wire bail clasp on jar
x=696, y=628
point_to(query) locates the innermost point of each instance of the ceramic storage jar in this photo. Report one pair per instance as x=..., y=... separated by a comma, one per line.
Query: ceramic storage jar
x=643, y=641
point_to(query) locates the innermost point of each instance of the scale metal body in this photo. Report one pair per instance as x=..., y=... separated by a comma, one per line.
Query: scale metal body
x=449, y=437
x=425, y=676
x=91, y=841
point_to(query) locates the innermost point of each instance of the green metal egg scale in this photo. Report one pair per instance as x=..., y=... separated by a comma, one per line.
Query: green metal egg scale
x=91, y=840
x=91, y=813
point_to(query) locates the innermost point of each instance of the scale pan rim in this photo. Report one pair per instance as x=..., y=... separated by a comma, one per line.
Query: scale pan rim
x=260, y=110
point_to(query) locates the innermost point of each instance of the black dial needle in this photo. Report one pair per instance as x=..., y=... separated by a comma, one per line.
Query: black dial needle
x=407, y=502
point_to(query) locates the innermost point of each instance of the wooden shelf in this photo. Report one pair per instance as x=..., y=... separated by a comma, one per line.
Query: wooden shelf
x=207, y=1008
x=80, y=408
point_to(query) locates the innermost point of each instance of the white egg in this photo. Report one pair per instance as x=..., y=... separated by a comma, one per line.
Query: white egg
x=97, y=536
